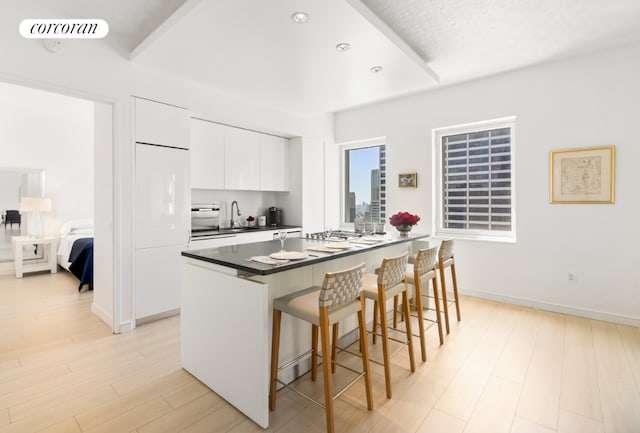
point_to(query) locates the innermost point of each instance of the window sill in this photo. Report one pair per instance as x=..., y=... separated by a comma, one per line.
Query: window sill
x=475, y=237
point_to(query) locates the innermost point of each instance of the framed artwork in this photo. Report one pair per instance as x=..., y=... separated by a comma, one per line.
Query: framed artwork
x=408, y=180
x=584, y=175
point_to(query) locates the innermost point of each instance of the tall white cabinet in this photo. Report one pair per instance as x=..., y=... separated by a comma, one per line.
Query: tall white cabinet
x=162, y=205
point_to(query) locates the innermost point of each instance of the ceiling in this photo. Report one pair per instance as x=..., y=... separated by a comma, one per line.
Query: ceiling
x=252, y=48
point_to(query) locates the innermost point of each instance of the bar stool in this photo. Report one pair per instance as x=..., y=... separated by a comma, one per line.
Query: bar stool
x=446, y=260
x=421, y=271
x=340, y=296
x=387, y=283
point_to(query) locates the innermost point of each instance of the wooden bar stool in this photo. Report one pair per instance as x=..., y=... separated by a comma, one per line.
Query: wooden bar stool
x=446, y=260
x=340, y=296
x=386, y=284
x=420, y=272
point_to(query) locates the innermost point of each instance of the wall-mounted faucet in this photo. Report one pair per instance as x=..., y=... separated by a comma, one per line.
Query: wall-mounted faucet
x=233, y=223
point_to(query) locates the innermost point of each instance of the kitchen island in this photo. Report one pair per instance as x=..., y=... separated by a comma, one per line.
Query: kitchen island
x=226, y=308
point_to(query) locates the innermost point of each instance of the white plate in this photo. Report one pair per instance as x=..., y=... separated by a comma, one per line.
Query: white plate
x=339, y=245
x=373, y=238
x=289, y=255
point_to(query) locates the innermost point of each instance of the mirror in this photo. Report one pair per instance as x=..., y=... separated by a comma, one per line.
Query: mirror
x=14, y=184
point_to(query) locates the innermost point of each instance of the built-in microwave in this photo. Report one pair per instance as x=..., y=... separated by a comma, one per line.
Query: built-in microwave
x=205, y=217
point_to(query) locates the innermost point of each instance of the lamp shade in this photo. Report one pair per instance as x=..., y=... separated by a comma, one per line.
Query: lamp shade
x=35, y=204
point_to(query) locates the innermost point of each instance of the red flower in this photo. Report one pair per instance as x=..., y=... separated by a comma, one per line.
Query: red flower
x=403, y=218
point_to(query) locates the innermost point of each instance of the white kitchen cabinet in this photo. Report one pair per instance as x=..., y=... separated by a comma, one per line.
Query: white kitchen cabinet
x=245, y=237
x=157, y=280
x=219, y=241
x=207, y=154
x=274, y=163
x=161, y=205
x=162, y=124
x=242, y=160
x=162, y=196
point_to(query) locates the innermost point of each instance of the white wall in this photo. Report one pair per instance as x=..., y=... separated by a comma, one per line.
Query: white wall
x=10, y=183
x=93, y=69
x=48, y=131
x=587, y=101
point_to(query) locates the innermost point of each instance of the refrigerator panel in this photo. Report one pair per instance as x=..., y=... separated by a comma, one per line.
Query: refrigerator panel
x=162, y=203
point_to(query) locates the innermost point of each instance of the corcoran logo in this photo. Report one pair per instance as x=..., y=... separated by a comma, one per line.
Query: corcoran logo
x=64, y=29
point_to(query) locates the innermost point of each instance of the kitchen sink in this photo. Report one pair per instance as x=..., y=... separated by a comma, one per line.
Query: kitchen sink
x=241, y=229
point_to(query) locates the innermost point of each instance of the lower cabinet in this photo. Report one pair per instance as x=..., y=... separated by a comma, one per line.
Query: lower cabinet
x=240, y=238
x=221, y=241
x=157, y=280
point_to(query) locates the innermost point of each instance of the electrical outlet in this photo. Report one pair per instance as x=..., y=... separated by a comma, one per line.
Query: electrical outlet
x=572, y=276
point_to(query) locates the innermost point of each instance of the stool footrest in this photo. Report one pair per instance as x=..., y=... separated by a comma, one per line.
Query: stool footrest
x=360, y=374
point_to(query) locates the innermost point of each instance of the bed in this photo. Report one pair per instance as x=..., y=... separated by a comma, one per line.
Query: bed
x=75, y=250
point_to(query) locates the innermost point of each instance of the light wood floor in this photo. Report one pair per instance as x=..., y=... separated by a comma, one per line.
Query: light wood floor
x=502, y=369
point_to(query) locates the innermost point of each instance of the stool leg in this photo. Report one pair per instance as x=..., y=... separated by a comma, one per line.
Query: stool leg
x=314, y=352
x=405, y=306
x=362, y=325
x=326, y=367
x=375, y=321
x=455, y=288
x=445, y=305
x=395, y=311
x=385, y=341
x=418, y=295
x=334, y=349
x=436, y=299
x=275, y=347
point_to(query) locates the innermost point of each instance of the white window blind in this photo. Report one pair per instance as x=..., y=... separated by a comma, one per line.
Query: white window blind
x=476, y=180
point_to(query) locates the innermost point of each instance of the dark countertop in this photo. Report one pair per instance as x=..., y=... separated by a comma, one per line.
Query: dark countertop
x=209, y=234
x=238, y=256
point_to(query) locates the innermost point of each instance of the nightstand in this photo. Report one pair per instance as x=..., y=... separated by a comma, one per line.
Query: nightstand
x=19, y=242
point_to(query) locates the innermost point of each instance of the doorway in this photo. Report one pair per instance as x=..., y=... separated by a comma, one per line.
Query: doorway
x=76, y=174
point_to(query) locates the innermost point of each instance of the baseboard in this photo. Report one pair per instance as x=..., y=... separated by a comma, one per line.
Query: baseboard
x=159, y=316
x=126, y=327
x=556, y=308
x=108, y=319
x=104, y=315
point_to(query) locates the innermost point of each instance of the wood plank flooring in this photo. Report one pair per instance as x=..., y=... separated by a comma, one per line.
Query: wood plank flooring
x=504, y=368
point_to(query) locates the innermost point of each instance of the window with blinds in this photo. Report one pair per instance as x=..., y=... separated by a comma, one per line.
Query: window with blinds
x=476, y=179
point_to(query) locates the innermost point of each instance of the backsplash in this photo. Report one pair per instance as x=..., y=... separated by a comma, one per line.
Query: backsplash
x=254, y=203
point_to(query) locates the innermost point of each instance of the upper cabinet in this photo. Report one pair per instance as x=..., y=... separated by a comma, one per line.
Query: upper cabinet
x=224, y=157
x=274, y=163
x=162, y=124
x=207, y=155
x=242, y=159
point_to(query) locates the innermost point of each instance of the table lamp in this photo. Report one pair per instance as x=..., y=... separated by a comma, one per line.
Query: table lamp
x=36, y=205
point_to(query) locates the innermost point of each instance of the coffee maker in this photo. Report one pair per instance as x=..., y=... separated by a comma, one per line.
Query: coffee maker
x=274, y=217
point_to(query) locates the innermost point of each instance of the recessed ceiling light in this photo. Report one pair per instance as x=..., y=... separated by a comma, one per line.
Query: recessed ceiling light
x=300, y=17
x=376, y=69
x=342, y=47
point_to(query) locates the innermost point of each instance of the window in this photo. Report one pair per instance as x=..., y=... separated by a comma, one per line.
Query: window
x=475, y=180
x=364, y=184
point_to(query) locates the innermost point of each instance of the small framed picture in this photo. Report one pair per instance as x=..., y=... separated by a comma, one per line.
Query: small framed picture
x=408, y=180
x=584, y=175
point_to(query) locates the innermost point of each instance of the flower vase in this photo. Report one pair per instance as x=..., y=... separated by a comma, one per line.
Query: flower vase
x=405, y=229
